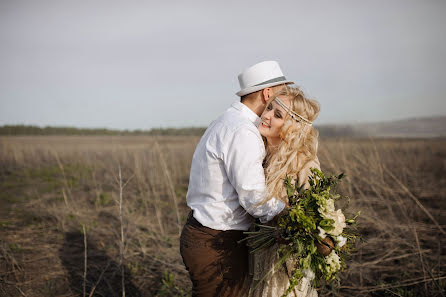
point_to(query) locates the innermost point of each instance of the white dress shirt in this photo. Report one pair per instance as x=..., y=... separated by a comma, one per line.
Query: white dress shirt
x=227, y=180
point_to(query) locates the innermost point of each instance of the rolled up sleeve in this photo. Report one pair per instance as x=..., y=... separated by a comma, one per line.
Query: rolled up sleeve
x=244, y=168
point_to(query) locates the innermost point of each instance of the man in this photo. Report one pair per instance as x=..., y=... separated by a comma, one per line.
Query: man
x=226, y=188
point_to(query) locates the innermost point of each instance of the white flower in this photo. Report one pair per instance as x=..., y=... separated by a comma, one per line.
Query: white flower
x=333, y=262
x=327, y=210
x=308, y=273
x=339, y=221
x=341, y=240
x=330, y=205
x=321, y=233
x=326, y=206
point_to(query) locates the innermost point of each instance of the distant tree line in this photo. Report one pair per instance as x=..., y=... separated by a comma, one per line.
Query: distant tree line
x=325, y=131
x=36, y=130
x=336, y=131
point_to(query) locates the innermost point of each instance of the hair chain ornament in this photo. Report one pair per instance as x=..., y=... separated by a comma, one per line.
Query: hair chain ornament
x=293, y=114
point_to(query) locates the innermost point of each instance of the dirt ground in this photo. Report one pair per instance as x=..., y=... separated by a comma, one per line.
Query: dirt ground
x=61, y=211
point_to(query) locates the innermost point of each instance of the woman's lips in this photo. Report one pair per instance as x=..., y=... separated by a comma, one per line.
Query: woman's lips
x=265, y=125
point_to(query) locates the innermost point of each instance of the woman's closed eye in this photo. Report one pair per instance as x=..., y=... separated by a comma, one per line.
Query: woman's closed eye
x=277, y=113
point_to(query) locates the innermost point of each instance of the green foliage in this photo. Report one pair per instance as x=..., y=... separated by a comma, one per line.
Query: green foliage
x=71, y=217
x=35, y=130
x=103, y=199
x=15, y=247
x=307, y=213
x=168, y=287
x=135, y=268
x=52, y=178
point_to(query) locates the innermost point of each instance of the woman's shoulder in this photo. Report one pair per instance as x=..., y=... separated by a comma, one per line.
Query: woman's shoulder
x=305, y=172
x=312, y=163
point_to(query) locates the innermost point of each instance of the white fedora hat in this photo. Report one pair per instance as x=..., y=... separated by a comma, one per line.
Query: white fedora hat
x=259, y=76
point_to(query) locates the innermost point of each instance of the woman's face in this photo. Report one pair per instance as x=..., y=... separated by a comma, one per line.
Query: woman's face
x=272, y=121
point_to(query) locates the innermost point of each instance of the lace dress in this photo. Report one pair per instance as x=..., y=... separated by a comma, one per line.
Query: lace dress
x=278, y=280
x=275, y=284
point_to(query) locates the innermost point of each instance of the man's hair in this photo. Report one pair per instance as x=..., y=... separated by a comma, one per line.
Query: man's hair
x=250, y=96
x=254, y=95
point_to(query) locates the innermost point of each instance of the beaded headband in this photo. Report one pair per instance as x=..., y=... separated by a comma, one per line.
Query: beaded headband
x=293, y=114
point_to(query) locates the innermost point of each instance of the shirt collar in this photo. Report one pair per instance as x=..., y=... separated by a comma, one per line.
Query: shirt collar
x=252, y=116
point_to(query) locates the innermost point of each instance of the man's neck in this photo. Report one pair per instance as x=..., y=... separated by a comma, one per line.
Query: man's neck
x=256, y=106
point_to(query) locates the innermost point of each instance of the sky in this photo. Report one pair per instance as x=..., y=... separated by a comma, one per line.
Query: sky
x=150, y=64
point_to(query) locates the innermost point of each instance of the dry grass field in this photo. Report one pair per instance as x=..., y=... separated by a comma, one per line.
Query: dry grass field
x=89, y=215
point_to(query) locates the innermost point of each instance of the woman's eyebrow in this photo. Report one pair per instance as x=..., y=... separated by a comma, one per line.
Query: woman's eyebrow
x=277, y=108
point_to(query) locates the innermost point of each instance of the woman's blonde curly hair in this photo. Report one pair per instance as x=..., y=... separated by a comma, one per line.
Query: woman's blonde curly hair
x=298, y=145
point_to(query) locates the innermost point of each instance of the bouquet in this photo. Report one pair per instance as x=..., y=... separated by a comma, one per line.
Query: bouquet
x=311, y=231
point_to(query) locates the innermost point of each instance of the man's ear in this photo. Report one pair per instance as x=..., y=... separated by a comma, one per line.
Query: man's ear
x=267, y=93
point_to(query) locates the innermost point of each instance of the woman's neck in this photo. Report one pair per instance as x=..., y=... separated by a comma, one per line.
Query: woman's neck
x=273, y=141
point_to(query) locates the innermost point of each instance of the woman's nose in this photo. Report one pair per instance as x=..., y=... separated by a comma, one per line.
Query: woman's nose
x=267, y=114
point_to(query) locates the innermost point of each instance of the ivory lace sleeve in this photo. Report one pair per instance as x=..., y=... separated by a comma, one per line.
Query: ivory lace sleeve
x=306, y=172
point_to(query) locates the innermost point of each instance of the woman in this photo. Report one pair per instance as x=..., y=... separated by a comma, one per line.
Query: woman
x=291, y=145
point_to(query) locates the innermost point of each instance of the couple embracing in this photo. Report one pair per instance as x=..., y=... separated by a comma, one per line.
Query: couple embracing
x=237, y=177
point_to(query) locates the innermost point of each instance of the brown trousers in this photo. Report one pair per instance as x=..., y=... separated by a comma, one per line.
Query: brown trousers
x=217, y=264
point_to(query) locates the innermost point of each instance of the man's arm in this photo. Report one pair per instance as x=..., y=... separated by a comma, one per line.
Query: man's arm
x=243, y=164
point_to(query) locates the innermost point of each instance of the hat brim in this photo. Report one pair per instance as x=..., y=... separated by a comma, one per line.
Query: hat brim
x=253, y=89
